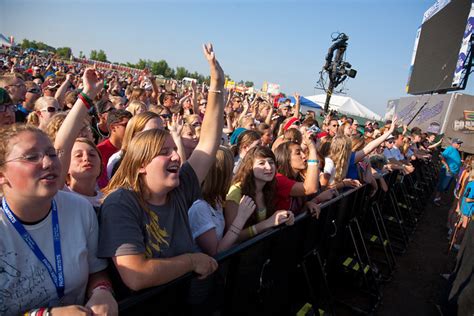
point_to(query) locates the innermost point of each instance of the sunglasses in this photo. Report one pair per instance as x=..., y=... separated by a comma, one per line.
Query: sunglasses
x=165, y=116
x=34, y=91
x=108, y=110
x=124, y=124
x=50, y=109
x=7, y=107
x=390, y=141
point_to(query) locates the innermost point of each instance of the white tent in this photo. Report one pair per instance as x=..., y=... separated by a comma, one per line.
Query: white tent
x=4, y=41
x=346, y=105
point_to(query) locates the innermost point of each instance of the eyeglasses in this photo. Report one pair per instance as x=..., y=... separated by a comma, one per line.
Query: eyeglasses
x=50, y=109
x=34, y=157
x=124, y=124
x=34, y=90
x=7, y=107
x=108, y=110
x=19, y=85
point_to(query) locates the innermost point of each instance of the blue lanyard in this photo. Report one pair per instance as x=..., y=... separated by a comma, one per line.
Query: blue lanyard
x=56, y=276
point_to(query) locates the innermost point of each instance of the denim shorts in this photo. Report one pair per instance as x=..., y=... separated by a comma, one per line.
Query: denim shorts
x=444, y=181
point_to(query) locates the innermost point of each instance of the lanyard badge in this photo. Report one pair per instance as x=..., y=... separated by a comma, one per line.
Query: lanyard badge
x=56, y=276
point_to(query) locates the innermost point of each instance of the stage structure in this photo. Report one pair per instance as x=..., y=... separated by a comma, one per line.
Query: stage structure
x=442, y=55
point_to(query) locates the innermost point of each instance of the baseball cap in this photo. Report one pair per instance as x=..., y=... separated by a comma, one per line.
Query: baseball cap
x=355, y=122
x=457, y=141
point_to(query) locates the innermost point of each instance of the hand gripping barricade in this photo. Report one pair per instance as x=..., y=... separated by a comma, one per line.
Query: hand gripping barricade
x=323, y=266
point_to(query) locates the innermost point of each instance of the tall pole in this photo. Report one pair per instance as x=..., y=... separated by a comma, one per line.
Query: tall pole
x=328, y=97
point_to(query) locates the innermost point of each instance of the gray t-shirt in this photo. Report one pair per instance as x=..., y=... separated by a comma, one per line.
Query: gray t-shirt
x=127, y=229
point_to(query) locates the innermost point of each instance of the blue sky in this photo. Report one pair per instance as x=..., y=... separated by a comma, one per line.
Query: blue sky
x=282, y=41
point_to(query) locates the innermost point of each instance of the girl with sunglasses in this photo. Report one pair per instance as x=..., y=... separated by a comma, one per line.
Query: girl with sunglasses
x=44, y=110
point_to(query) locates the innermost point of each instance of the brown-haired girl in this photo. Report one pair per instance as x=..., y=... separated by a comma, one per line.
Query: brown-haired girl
x=206, y=216
x=256, y=179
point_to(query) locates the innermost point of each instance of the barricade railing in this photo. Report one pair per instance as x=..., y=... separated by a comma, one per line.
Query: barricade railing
x=285, y=270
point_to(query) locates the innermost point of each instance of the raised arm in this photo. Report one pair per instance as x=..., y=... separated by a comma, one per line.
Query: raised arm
x=375, y=143
x=203, y=156
x=297, y=106
x=175, y=126
x=61, y=93
x=74, y=121
x=194, y=97
x=436, y=144
x=268, y=119
x=311, y=182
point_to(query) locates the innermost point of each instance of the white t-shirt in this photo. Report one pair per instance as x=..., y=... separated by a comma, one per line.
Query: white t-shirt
x=24, y=280
x=203, y=217
x=112, y=162
x=95, y=200
x=329, y=168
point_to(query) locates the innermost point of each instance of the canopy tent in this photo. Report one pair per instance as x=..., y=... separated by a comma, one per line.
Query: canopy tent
x=304, y=102
x=346, y=105
x=4, y=41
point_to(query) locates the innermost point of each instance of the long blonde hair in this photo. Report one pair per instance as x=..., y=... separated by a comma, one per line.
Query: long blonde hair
x=142, y=149
x=340, y=153
x=135, y=125
x=134, y=106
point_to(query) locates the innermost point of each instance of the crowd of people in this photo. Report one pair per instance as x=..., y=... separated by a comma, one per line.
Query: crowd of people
x=99, y=166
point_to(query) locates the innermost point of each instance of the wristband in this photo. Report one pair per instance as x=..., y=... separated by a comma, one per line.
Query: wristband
x=214, y=91
x=86, y=97
x=312, y=161
x=252, y=231
x=84, y=100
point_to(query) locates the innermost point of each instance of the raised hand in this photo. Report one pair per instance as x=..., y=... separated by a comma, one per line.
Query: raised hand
x=175, y=125
x=393, y=125
x=93, y=82
x=297, y=97
x=217, y=74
